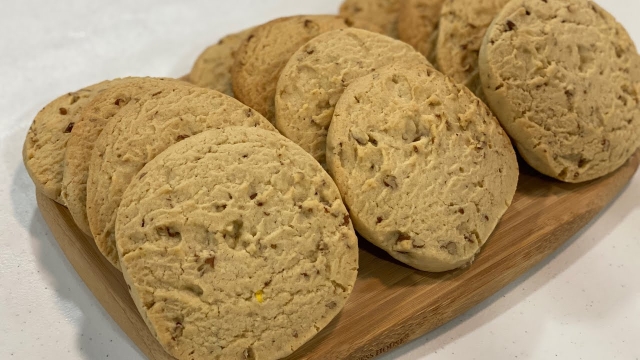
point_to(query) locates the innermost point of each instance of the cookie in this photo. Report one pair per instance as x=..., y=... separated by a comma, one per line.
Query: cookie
x=463, y=24
x=142, y=129
x=261, y=57
x=212, y=69
x=236, y=245
x=316, y=75
x=418, y=25
x=382, y=13
x=89, y=123
x=423, y=166
x=46, y=141
x=563, y=77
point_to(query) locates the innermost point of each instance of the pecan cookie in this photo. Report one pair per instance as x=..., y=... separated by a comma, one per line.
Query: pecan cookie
x=423, y=166
x=563, y=77
x=236, y=245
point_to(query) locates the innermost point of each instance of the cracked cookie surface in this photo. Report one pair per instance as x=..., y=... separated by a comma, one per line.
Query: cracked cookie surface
x=563, y=77
x=418, y=25
x=212, y=69
x=316, y=75
x=46, y=142
x=463, y=24
x=423, y=166
x=382, y=13
x=89, y=123
x=142, y=129
x=236, y=245
x=261, y=57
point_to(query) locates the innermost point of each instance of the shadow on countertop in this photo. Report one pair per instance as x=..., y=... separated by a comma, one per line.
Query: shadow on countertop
x=98, y=336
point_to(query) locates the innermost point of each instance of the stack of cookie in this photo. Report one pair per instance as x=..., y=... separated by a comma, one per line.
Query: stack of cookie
x=234, y=241
x=228, y=218
x=301, y=90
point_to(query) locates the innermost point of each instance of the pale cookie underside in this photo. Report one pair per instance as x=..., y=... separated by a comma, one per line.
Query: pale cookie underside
x=569, y=96
x=463, y=24
x=46, y=142
x=235, y=244
x=90, y=122
x=424, y=168
x=261, y=57
x=141, y=130
x=212, y=69
x=418, y=25
x=316, y=75
x=382, y=13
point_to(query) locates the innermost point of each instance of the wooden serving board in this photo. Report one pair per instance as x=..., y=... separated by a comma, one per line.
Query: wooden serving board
x=391, y=304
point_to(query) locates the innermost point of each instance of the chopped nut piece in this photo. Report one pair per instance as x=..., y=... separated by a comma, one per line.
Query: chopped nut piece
x=360, y=136
x=69, y=127
x=390, y=181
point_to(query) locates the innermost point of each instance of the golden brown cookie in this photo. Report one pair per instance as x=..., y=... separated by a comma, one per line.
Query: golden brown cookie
x=142, y=129
x=418, y=25
x=46, y=141
x=236, y=245
x=423, y=166
x=212, y=69
x=88, y=126
x=463, y=24
x=261, y=57
x=316, y=75
x=382, y=13
x=563, y=77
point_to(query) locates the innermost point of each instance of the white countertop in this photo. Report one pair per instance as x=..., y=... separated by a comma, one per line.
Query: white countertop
x=581, y=303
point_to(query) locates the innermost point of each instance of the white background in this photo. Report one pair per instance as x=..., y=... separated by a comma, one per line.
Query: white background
x=582, y=303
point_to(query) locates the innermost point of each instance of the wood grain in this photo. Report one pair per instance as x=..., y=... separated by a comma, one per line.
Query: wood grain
x=391, y=304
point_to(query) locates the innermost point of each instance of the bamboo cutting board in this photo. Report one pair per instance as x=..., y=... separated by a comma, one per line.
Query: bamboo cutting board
x=391, y=304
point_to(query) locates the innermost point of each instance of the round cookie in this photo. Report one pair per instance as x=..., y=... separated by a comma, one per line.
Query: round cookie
x=418, y=25
x=265, y=52
x=46, y=141
x=463, y=24
x=423, y=166
x=236, y=245
x=88, y=126
x=563, y=77
x=316, y=75
x=382, y=13
x=212, y=69
x=141, y=130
